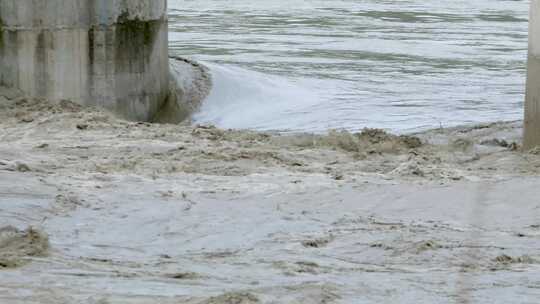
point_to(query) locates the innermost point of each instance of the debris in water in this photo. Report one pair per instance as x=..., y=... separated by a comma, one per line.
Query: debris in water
x=20, y=167
x=82, y=126
x=316, y=243
x=495, y=142
x=17, y=246
x=233, y=298
x=42, y=146
x=428, y=245
x=183, y=276
x=506, y=260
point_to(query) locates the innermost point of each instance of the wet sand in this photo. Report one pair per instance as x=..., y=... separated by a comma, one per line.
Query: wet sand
x=149, y=213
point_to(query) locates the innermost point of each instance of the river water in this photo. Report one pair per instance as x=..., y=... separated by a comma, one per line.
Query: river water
x=314, y=65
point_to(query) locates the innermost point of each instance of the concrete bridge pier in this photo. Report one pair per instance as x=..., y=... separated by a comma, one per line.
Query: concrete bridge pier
x=532, y=100
x=107, y=53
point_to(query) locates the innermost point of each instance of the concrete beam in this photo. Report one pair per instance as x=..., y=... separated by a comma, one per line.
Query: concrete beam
x=532, y=96
x=107, y=53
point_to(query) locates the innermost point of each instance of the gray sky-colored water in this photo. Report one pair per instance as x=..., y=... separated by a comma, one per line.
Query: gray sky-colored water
x=313, y=65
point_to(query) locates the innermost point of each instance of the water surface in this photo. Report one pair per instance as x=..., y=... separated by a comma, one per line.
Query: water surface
x=313, y=65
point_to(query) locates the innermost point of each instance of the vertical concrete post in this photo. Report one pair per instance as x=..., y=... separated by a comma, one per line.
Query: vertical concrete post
x=532, y=96
x=107, y=53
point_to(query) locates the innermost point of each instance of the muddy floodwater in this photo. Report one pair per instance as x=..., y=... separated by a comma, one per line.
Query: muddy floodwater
x=98, y=210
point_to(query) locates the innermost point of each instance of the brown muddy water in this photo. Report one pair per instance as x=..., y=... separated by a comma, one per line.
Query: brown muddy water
x=124, y=212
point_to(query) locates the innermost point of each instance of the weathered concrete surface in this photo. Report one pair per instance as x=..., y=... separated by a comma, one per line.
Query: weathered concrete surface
x=532, y=99
x=108, y=53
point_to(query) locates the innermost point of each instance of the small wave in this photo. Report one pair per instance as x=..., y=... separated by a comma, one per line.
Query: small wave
x=189, y=86
x=241, y=98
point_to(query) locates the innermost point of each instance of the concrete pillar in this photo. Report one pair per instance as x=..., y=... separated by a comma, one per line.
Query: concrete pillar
x=532, y=99
x=107, y=53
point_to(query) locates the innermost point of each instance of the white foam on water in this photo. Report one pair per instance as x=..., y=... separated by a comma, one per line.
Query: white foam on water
x=403, y=66
x=242, y=98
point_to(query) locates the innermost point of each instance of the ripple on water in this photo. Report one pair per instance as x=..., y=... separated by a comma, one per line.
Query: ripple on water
x=399, y=65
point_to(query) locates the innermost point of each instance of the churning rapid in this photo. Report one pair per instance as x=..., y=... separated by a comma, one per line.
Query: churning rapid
x=314, y=65
x=101, y=210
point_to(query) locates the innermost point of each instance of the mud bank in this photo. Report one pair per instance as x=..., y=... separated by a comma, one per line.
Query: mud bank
x=162, y=213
